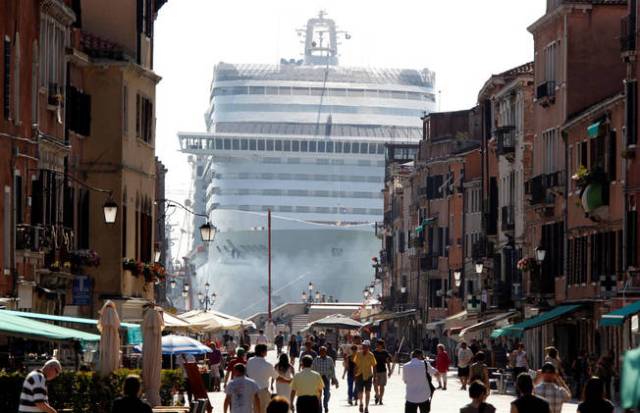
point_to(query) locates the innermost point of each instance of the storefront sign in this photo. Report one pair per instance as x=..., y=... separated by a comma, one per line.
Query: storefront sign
x=82, y=290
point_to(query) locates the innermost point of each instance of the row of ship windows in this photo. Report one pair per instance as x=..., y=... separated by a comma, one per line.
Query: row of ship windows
x=300, y=177
x=305, y=209
x=281, y=145
x=298, y=192
x=294, y=108
x=316, y=91
x=311, y=129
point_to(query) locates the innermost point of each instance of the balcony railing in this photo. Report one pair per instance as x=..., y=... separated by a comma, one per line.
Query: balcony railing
x=546, y=92
x=555, y=179
x=506, y=137
x=508, y=218
x=29, y=238
x=628, y=34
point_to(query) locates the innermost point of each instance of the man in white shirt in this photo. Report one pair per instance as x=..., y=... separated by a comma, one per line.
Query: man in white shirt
x=261, y=339
x=241, y=393
x=418, y=390
x=465, y=355
x=261, y=371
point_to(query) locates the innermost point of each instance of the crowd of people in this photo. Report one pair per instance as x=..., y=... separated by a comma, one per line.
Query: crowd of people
x=304, y=374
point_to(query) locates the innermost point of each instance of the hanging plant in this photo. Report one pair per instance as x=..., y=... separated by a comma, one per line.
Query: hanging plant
x=526, y=264
x=85, y=257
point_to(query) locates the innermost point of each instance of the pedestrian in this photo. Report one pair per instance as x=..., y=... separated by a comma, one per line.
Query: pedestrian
x=279, y=404
x=294, y=350
x=34, y=396
x=308, y=351
x=284, y=371
x=465, y=356
x=262, y=372
x=365, y=365
x=230, y=346
x=604, y=370
x=331, y=352
x=350, y=372
x=214, y=359
x=307, y=385
x=521, y=360
x=550, y=386
x=238, y=359
x=279, y=342
x=261, y=339
x=183, y=360
x=416, y=375
x=527, y=402
x=579, y=368
x=130, y=401
x=442, y=365
x=475, y=347
x=242, y=393
x=500, y=354
x=299, y=339
x=553, y=358
x=478, y=394
x=479, y=370
x=323, y=365
x=383, y=367
x=593, y=398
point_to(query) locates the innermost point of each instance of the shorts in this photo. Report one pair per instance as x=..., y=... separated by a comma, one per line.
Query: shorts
x=463, y=371
x=380, y=378
x=362, y=384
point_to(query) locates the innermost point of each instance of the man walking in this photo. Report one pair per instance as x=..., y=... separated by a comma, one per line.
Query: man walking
x=238, y=359
x=34, y=397
x=552, y=388
x=465, y=355
x=242, y=393
x=262, y=372
x=383, y=367
x=324, y=366
x=308, y=351
x=307, y=385
x=365, y=363
x=416, y=375
x=279, y=342
x=261, y=339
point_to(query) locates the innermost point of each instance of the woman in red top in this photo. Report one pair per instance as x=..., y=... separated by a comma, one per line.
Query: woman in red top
x=442, y=365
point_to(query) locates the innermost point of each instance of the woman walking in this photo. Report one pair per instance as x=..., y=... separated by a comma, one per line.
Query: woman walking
x=294, y=349
x=284, y=371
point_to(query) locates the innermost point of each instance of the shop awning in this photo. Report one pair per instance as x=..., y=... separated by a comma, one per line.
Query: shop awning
x=24, y=327
x=134, y=335
x=516, y=330
x=486, y=323
x=593, y=130
x=449, y=322
x=617, y=317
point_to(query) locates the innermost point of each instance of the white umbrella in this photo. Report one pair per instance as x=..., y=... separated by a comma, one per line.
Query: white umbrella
x=108, y=325
x=152, y=326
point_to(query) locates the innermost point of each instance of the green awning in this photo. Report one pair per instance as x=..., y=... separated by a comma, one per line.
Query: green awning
x=593, y=130
x=419, y=229
x=617, y=317
x=425, y=223
x=25, y=327
x=518, y=329
x=134, y=334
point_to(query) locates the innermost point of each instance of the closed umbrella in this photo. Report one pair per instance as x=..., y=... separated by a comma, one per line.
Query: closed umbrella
x=109, y=325
x=152, y=326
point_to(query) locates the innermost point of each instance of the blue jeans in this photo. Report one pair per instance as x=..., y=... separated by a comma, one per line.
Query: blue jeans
x=326, y=393
x=351, y=387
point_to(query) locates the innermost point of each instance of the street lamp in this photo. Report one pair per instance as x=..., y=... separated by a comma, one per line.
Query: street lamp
x=403, y=289
x=317, y=295
x=110, y=210
x=186, y=287
x=185, y=293
x=310, y=287
x=541, y=253
x=207, y=285
x=156, y=256
x=207, y=232
x=206, y=299
x=479, y=267
x=457, y=276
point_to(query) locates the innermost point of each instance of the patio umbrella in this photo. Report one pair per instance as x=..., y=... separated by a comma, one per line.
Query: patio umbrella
x=108, y=325
x=152, y=326
x=174, y=344
x=337, y=321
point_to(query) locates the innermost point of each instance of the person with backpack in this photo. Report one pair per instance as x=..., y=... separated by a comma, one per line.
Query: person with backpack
x=478, y=394
x=479, y=370
x=416, y=375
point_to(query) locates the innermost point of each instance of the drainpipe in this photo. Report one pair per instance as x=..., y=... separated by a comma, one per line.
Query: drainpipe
x=565, y=212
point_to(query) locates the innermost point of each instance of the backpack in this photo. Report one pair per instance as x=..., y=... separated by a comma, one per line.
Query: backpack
x=431, y=386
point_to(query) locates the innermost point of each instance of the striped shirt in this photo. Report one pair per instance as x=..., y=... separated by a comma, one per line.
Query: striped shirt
x=34, y=390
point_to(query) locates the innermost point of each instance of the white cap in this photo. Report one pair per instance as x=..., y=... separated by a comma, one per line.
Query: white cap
x=366, y=343
x=53, y=363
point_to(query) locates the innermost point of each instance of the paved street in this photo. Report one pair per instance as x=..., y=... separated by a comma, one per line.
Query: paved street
x=448, y=401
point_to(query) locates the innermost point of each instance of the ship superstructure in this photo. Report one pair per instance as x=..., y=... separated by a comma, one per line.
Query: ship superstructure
x=305, y=139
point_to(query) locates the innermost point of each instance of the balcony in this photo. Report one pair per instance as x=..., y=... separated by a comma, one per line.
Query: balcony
x=537, y=189
x=507, y=218
x=429, y=262
x=546, y=93
x=628, y=35
x=506, y=139
x=555, y=179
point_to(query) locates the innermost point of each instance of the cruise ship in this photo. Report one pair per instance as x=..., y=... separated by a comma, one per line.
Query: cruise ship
x=305, y=139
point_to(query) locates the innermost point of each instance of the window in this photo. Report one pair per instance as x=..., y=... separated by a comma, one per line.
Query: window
x=303, y=146
x=551, y=148
x=329, y=147
x=287, y=146
x=227, y=144
x=278, y=145
x=144, y=119
x=252, y=144
x=244, y=144
x=321, y=146
x=295, y=146
x=219, y=143
x=550, y=62
x=261, y=145
x=53, y=41
x=312, y=146
x=269, y=144
x=338, y=147
x=235, y=144
x=355, y=148
x=78, y=114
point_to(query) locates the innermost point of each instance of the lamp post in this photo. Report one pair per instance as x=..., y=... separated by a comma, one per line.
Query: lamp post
x=205, y=299
x=541, y=253
x=304, y=296
x=207, y=230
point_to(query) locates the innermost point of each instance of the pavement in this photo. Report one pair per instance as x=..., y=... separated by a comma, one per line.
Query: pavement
x=449, y=401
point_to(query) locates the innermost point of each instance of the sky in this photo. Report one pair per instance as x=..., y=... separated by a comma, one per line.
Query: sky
x=463, y=41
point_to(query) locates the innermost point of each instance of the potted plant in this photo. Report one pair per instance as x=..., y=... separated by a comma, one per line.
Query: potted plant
x=526, y=264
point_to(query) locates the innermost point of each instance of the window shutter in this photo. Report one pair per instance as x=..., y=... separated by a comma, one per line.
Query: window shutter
x=6, y=84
